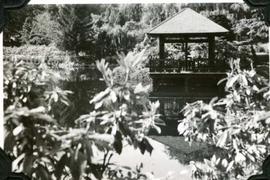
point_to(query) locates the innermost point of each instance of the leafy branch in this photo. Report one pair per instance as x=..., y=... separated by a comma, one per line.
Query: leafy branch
x=236, y=126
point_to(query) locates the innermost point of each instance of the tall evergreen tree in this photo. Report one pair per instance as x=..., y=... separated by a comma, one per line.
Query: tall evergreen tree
x=76, y=28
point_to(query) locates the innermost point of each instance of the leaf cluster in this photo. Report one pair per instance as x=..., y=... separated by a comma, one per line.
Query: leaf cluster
x=44, y=147
x=236, y=126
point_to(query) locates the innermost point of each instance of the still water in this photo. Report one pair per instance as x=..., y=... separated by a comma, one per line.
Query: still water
x=160, y=163
x=171, y=155
x=85, y=83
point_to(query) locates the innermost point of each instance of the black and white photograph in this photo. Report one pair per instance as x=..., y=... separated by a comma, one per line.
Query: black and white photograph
x=136, y=91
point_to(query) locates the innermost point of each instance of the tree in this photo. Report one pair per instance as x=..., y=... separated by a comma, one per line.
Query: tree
x=36, y=32
x=152, y=14
x=250, y=32
x=224, y=22
x=75, y=29
x=31, y=96
x=236, y=127
x=43, y=147
x=240, y=10
x=132, y=12
x=15, y=20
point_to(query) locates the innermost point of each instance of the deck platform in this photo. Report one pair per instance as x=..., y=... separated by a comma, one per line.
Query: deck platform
x=183, y=73
x=187, y=84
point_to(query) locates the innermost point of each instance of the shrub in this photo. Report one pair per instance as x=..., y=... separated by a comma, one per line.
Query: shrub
x=31, y=97
x=137, y=75
x=45, y=148
x=236, y=127
x=47, y=56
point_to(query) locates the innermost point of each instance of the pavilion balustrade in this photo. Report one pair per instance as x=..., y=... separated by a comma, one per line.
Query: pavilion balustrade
x=181, y=65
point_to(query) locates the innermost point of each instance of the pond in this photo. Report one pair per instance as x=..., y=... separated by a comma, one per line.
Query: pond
x=171, y=155
x=86, y=82
x=160, y=163
x=169, y=159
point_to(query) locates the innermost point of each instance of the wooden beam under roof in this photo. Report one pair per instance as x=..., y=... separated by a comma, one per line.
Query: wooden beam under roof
x=182, y=40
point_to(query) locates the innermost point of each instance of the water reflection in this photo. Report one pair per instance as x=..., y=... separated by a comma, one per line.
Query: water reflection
x=171, y=153
x=85, y=83
x=170, y=110
x=160, y=162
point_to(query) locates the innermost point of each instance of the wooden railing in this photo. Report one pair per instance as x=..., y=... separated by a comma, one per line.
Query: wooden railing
x=193, y=65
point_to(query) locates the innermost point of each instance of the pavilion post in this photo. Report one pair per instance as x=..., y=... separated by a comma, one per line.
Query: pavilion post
x=161, y=52
x=186, y=53
x=211, y=52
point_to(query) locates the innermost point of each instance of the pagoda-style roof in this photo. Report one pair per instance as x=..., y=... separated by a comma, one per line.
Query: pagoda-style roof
x=187, y=22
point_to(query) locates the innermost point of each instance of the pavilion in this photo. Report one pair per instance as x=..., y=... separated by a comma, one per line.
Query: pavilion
x=187, y=76
x=185, y=27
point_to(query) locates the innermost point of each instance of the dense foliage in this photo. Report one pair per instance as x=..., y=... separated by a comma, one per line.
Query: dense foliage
x=236, y=127
x=46, y=147
x=46, y=140
x=31, y=97
x=100, y=31
x=49, y=57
